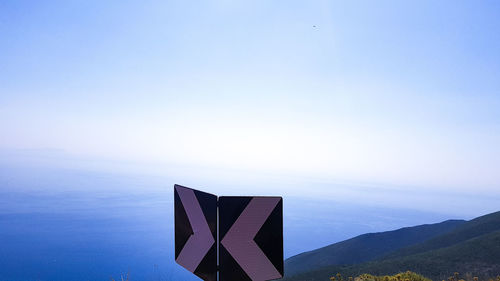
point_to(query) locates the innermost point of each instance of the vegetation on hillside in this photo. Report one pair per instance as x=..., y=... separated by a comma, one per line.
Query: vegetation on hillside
x=472, y=247
x=402, y=276
x=410, y=276
x=367, y=247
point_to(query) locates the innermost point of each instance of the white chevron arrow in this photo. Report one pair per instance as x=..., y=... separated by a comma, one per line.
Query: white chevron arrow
x=239, y=240
x=200, y=242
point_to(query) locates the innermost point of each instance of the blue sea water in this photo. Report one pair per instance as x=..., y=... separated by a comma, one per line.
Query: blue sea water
x=61, y=224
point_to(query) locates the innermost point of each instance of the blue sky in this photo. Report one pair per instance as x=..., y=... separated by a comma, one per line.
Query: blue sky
x=395, y=92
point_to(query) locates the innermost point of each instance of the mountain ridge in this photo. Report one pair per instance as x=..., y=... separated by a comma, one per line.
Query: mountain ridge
x=377, y=244
x=472, y=246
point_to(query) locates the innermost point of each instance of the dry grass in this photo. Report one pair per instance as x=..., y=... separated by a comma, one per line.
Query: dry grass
x=122, y=277
x=410, y=276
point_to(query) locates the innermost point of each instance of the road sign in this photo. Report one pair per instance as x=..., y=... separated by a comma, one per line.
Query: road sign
x=249, y=241
x=251, y=238
x=196, y=231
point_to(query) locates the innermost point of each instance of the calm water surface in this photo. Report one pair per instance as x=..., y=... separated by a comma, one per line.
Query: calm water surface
x=75, y=225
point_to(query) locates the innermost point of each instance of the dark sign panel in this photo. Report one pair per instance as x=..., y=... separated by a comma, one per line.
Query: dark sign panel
x=251, y=238
x=196, y=231
x=249, y=244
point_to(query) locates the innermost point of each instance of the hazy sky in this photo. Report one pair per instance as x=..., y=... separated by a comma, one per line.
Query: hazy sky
x=399, y=92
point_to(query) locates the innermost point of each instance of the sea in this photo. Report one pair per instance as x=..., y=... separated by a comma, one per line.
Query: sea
x=61, y=223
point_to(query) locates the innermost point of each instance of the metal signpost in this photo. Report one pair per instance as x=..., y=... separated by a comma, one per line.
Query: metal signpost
x=249, y=244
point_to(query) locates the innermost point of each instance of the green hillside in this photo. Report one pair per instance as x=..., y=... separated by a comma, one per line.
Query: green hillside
x=366, y=247
x=472, y=247
x=473, y=228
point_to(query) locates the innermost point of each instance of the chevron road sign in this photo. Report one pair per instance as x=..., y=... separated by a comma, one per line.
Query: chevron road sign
x=251, y=232
x=249, y=241
x=196, y=231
